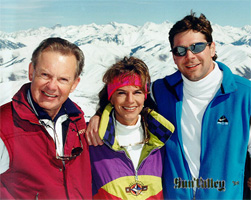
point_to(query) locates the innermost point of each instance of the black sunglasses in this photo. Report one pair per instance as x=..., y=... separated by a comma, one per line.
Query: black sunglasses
x=195, y=48
x=74, y=152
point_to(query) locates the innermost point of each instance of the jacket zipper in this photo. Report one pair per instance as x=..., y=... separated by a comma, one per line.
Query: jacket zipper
x=125, y=152
x=36, y=197
x=139, y=165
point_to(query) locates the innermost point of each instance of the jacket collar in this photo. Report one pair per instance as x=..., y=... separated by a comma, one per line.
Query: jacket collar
x=67, y=108
x=175, y=82
x=159, y=129
x=28, y=109
x=228, y=83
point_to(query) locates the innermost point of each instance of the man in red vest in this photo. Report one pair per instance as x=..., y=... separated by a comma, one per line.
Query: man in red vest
x=43, y=154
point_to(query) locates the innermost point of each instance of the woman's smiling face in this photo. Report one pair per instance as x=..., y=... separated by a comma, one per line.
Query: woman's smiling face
x=128, y=102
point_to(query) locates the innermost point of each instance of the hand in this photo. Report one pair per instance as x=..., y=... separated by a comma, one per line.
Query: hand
x=91, y=133
x=249, y=183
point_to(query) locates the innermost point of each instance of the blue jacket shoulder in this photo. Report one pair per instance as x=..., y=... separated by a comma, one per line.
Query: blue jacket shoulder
x=242, y=81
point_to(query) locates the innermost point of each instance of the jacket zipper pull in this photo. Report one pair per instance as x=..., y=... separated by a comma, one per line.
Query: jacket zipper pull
x=36, y=198
x=136, y=175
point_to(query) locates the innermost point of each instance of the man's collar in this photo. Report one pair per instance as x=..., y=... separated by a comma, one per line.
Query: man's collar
x=228, y=83
x=68, y=108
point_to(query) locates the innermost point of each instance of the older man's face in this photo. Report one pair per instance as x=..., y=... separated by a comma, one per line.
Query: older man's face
x=52, y=80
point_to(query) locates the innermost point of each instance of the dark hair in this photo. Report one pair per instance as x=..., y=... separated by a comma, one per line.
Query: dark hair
x=191, y=22
x=129, y=66
x=64, y=47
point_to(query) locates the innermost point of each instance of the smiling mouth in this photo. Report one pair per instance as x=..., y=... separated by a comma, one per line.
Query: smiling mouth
x=130, y=108
x=48, y=95
x=191, y=66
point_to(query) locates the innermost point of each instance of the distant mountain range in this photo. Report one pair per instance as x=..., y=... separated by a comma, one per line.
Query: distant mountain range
x=103, y=45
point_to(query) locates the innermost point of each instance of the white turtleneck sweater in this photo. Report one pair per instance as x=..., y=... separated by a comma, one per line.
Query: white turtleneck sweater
x=196, y=97
x=129, y=137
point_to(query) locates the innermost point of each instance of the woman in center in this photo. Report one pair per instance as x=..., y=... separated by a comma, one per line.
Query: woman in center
x=129, y=163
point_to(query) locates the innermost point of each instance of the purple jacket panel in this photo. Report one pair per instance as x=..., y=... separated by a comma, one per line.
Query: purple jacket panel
x=108, y=165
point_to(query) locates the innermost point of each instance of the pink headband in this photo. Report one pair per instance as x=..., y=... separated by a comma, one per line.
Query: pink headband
x=124, y=80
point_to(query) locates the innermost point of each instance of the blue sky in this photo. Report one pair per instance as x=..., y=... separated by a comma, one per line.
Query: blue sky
x=25, y=14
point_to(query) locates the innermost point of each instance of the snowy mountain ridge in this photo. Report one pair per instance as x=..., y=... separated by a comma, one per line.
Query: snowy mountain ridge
x=103, y=45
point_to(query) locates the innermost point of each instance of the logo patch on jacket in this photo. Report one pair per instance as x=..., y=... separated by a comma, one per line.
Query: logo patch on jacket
x=222, y=120
x=136, y=188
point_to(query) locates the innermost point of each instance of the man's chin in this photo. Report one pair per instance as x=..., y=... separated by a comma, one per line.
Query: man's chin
x=50, y=108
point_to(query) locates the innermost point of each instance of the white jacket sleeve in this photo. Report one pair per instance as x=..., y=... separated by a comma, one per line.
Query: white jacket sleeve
x=4, y=157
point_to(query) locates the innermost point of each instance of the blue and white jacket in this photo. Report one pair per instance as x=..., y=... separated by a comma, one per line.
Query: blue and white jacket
x=224, y=139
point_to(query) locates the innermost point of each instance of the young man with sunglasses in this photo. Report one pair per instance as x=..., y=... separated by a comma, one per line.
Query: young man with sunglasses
x=43, y=154
x=210, y=108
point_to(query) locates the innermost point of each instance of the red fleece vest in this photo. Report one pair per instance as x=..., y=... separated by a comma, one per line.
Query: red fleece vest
x=34, y=170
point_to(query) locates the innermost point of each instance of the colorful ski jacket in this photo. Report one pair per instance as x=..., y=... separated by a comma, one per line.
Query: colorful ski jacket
x=34, y=172
x=114, y=176
x=224, y=139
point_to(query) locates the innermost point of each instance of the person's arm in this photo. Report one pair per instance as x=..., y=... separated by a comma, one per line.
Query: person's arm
x=249, y=183
x=91, y=133
x=4, y=157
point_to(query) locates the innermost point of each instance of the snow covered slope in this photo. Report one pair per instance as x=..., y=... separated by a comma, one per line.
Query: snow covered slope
x=103, y=45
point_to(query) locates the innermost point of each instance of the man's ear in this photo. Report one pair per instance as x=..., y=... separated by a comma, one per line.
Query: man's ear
x=212, y=49
x=31, y=71
x=75, y=84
